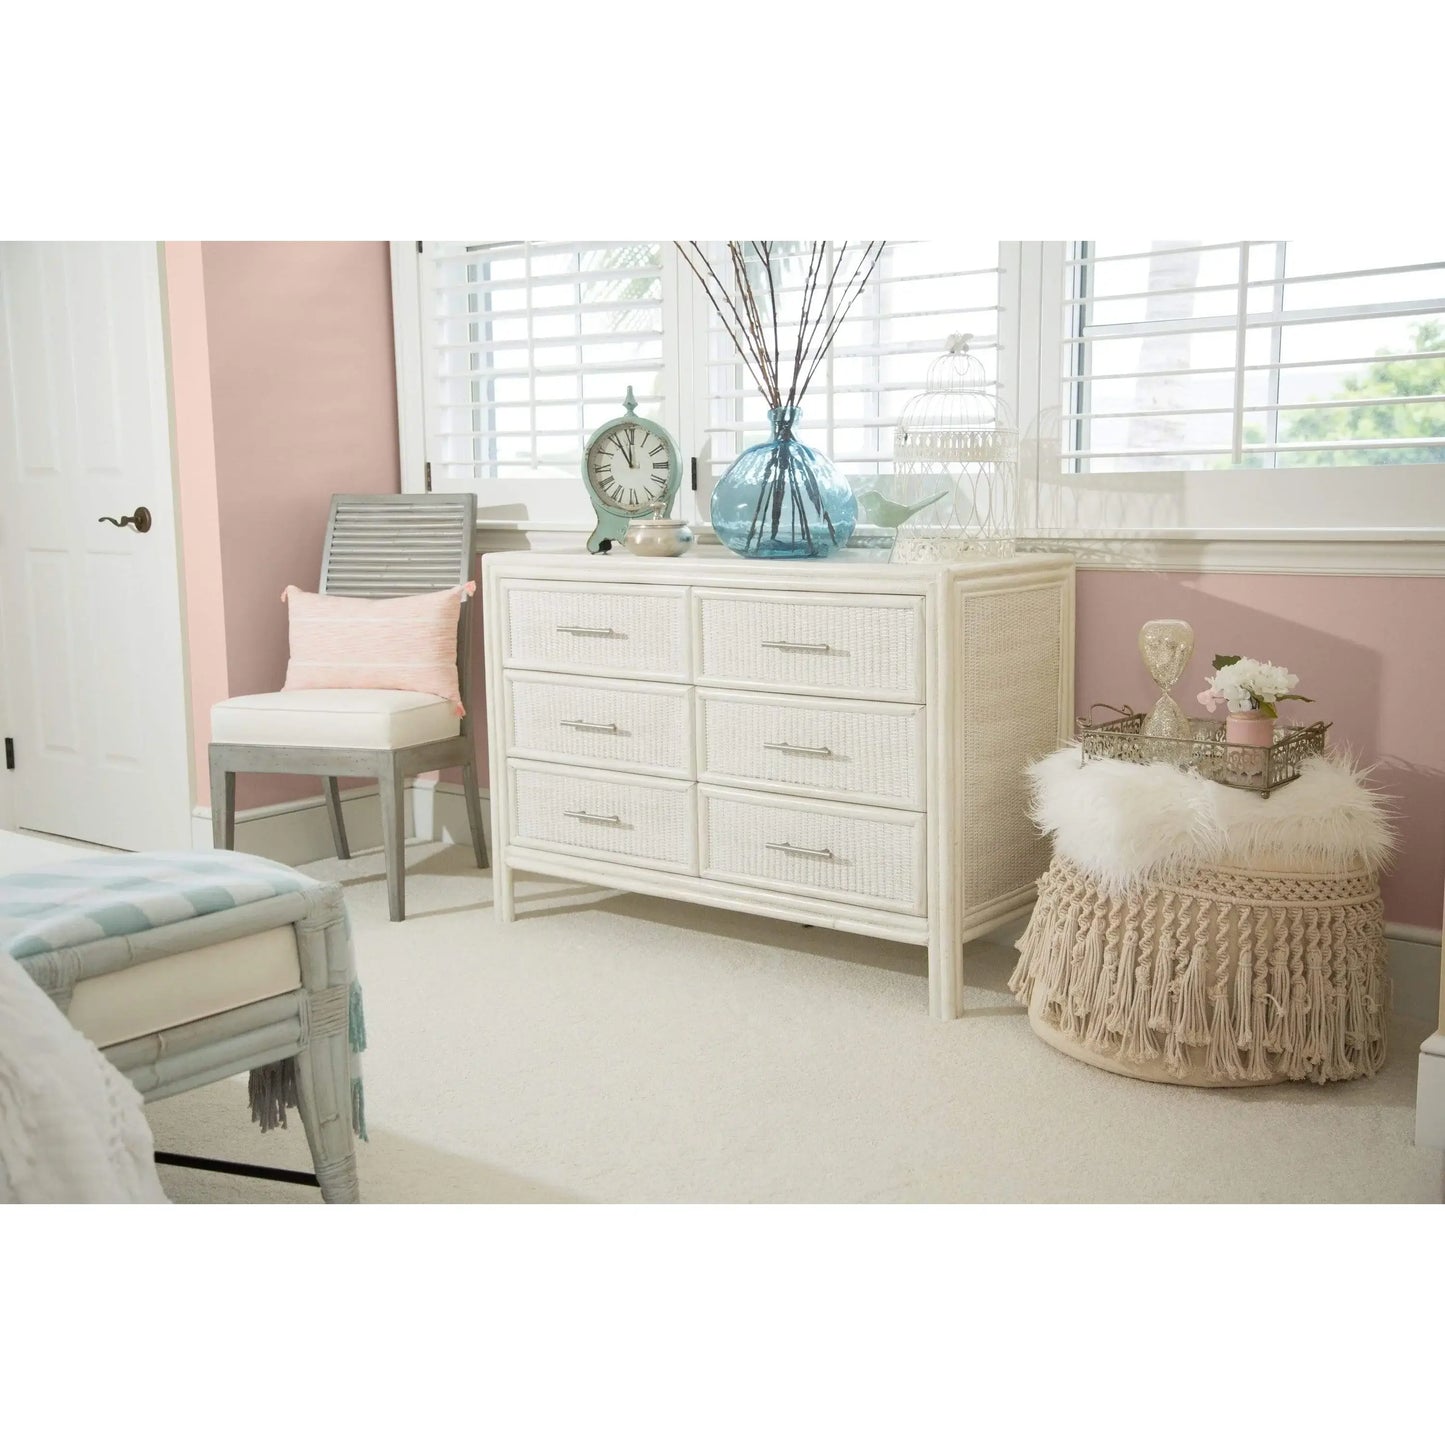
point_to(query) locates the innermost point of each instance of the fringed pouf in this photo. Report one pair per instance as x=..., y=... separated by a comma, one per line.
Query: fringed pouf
x=1196, y=934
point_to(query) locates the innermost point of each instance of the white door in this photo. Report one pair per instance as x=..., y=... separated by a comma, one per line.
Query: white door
x=93, y=689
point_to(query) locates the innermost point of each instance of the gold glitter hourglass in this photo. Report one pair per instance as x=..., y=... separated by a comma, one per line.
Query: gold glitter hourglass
x=1166, y=646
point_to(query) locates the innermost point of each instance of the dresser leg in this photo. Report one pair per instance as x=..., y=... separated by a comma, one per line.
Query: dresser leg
x=504, y=893
x=945, y=978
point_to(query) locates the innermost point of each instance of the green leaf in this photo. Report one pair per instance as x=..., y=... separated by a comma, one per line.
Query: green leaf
x=1267, y=708
x=1222, y=661
x=1293, y=697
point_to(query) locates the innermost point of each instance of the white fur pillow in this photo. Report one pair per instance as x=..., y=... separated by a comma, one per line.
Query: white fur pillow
x=1123, y=823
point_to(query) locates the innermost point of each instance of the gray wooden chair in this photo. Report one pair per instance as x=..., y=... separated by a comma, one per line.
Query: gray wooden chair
x=376, y=546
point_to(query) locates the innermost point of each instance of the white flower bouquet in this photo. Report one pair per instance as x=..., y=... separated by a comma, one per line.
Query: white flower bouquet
x=1244, y=684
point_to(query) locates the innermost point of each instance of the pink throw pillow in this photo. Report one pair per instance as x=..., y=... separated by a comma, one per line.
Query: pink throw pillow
x=405, y=644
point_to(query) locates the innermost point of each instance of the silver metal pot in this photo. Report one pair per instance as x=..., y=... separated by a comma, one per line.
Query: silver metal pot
x=658, y=537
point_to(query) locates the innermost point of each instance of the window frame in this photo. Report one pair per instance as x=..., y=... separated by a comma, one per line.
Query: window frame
x=1235, y=324
x=1135, y=513
x=1404, y=501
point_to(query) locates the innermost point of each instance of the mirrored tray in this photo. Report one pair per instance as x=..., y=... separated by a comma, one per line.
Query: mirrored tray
x=1258, y=769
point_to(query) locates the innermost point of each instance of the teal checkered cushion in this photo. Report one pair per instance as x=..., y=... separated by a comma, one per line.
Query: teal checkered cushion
x=109, y=895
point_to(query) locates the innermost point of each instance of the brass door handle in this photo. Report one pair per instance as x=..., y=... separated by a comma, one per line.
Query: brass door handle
x=140, y=519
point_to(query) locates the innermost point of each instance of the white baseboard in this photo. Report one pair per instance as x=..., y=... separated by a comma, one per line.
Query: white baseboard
x=1430, y=1094
x=1415, y=970
x=439, y=811
x=299, y=832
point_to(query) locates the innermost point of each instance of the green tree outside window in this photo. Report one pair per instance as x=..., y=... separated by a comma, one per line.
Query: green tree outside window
x=1389, y=380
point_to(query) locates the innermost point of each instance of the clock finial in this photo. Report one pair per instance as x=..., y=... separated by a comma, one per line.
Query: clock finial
x=631, y=402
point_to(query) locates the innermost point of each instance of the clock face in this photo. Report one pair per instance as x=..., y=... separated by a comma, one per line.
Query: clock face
x=629, y=468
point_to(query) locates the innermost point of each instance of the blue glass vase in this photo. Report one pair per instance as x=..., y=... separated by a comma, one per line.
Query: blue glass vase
x=782, y=499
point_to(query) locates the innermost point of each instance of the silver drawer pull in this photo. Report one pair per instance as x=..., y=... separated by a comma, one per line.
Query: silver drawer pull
x=587, y=631
x=798, y=748
x=592, y=817
x=805, y=852
x=588, y=727
x=800, y=646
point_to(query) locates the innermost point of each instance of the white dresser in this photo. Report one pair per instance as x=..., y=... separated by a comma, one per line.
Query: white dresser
x=838, y=743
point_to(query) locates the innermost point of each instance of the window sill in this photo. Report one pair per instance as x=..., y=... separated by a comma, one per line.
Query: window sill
x=1328, y=551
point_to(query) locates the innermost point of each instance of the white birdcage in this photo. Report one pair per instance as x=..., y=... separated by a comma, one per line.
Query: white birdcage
x=955, y=453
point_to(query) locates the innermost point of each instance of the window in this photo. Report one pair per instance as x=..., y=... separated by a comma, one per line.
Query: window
x=1177, y=377
x=529, y=346
x=1262, y=354
x=920, y=293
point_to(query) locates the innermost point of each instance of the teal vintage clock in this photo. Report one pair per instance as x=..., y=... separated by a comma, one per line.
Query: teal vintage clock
x=632, y=469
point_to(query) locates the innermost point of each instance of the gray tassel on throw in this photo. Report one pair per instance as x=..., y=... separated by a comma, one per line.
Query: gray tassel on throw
x=272, y=1091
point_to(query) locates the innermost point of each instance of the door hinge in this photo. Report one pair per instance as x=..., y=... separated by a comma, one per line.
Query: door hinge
x=694, y=474
x=10, y=754
x=418, y=248
x=426, y=476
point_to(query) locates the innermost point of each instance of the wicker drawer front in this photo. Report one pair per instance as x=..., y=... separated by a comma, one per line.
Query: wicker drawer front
x=611, y=631
x=866, y=752
x=604, y=815
x=818, y=643
x=869, y=856
x=641, y=726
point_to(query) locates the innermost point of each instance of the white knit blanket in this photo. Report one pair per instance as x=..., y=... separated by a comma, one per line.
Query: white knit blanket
x=1129, y=823
x=71, y=1126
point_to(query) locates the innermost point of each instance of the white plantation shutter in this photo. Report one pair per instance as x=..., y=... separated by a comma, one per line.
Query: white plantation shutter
x=920, y=293
x=527, y=347
x=1181, y=367
x=1197, y=355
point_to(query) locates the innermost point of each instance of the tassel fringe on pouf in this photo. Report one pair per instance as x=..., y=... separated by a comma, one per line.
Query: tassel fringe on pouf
x=1217, y=977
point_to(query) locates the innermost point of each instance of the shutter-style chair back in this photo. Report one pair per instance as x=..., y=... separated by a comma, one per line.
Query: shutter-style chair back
x=393, y=546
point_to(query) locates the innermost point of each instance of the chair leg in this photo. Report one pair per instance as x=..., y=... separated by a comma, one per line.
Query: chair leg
x=393, y=836
x=333, y=813
x=323, y=1099
x=223, y=806
x=474, y=813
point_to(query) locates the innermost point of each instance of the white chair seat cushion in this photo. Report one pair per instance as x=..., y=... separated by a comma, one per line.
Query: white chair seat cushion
x=162, y=993
x=334, y=717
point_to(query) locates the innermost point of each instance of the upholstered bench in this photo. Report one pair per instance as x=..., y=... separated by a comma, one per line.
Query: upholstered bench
x=185, y=968
x=1191, y=933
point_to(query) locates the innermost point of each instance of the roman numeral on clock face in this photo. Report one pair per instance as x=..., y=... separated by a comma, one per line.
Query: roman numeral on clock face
x=629, y=468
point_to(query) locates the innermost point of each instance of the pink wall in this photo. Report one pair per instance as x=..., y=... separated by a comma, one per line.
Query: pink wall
x=200, y=521
x=1367, y=649
x=302, y=393
x=284, y=391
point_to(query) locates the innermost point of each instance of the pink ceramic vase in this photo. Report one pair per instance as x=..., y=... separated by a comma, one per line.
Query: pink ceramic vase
x=1249, y=729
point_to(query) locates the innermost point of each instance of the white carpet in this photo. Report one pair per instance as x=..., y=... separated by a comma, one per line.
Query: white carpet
x=632, y=1049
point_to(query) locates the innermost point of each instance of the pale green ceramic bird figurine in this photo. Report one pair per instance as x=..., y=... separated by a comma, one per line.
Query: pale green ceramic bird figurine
x=884, y=513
